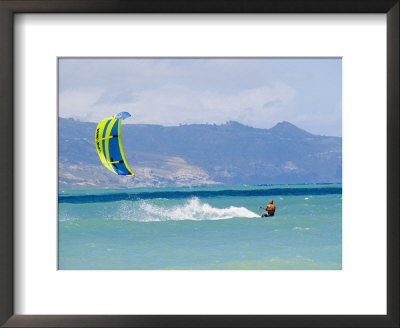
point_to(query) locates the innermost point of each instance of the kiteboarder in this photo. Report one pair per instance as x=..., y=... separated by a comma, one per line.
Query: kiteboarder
x=270, y=209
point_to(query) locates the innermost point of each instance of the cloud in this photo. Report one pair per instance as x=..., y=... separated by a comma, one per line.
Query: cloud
x=255, y=92
x=174, y=104
x=79, y=104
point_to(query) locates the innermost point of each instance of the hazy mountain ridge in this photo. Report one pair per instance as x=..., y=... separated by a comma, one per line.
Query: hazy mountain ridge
x=200, y=154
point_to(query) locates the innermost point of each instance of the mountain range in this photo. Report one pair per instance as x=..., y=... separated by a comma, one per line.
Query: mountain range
x=200, y=154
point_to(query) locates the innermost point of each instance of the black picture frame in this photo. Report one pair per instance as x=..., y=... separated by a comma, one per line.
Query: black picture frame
x=10, y=7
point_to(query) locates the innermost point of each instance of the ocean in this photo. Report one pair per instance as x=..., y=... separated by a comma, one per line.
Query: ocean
x=201, y=228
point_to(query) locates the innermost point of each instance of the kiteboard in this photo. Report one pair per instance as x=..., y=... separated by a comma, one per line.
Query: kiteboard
x=265, y=215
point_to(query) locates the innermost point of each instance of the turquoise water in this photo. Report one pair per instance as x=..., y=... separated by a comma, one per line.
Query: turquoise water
x=201, y=228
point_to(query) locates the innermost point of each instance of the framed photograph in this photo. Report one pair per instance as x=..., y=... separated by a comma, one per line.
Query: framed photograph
x=196, y=182
x=206, y=164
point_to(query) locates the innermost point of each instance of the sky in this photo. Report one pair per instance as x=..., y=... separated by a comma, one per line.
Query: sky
x=258, y=92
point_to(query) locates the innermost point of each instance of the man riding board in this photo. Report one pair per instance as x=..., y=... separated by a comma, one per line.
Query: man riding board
x=270, y=209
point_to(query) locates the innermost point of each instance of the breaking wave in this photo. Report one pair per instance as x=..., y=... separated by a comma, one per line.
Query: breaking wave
x=192, y=209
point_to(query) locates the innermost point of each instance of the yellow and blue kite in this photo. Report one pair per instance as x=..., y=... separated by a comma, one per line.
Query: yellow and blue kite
x=108, y=144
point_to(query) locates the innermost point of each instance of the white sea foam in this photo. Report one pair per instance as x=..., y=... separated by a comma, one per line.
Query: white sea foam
x=192, y=209
x=66, y=217
x=300, y=228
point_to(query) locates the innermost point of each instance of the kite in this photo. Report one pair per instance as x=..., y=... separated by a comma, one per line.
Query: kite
x=108, y=144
